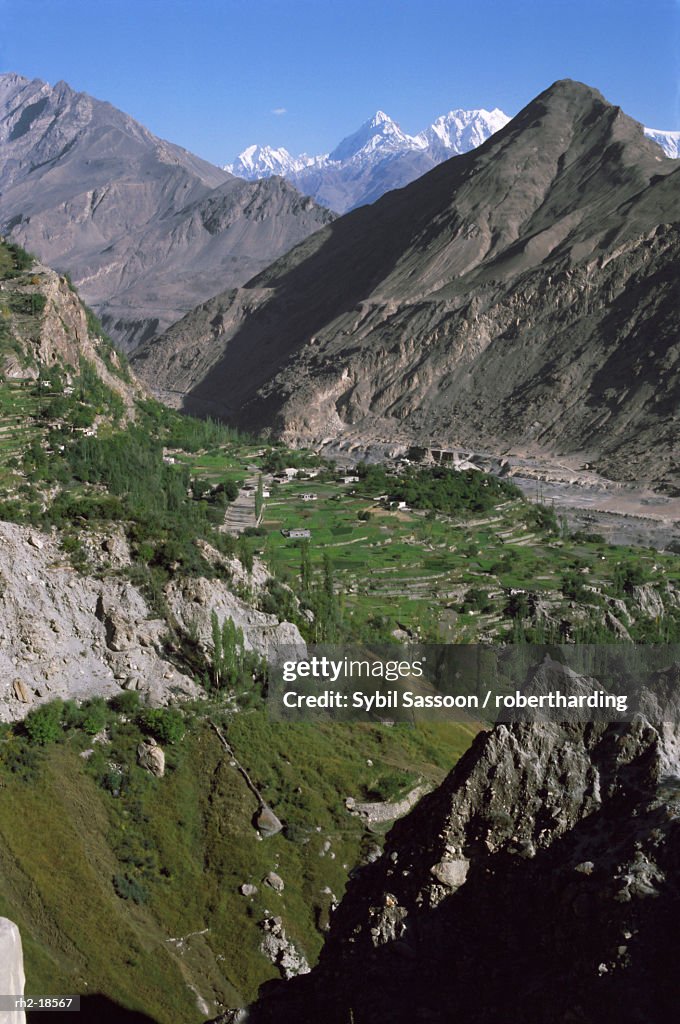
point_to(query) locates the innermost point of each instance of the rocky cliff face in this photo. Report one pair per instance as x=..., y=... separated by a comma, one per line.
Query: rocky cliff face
x=145, y=228
x=11, y=970
x=539, y=882
x=57, y=336
x=520, y=295
x=65, y=634
x=74, y=634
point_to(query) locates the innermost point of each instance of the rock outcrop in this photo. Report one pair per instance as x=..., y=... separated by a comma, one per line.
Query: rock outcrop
x=278, y=948
x=540, y=882
x=193, y=600
x=64, y=634
x=62, y=338
x=12, y=977
x=378, y=811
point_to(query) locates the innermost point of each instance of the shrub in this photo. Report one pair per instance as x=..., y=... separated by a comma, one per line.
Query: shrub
x=127, y=702
x=94, y=716
x=20, y=758
x=111, y=781
x=130, y=889
x=476, y=599
x=44, y=725
x=572, y=586
x=164, y=724
x=517, y=606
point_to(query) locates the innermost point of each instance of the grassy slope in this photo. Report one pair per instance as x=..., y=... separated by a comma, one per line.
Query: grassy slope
x=62, y=838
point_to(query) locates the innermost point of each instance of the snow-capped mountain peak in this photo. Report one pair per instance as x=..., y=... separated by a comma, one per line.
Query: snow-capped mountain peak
x=379, y=133
x=669, y=141
x=462, y=130
x=375, y=158
x=264, y=161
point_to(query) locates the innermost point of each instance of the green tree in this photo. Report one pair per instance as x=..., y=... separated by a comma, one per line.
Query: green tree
x=245, y=553
x=258, y=496
x=228, y=651
x=305, y=570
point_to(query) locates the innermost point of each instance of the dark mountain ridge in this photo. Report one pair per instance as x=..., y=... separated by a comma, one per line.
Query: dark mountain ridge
x=520, y=295
x=145, y=228
x=539, y=882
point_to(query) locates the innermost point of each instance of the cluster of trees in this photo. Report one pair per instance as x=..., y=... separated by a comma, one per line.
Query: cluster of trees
x=277, y=459
x=13, y=260
x=318, y=594
x=186, y=432
x=51, y=722
x=439, y=489
x=78, y=408
x=228, y=652
x=232, y=666
x=165, y=509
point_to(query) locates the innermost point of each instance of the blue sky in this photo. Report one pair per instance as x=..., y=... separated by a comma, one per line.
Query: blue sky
x=216, y=75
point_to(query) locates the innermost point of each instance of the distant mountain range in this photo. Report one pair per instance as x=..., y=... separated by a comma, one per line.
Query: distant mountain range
x=373, y=160
x=145, y=228
x=380, y=157
x=521, y=295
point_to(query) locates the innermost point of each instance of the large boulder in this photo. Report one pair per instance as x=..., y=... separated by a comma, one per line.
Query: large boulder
x=151, y=757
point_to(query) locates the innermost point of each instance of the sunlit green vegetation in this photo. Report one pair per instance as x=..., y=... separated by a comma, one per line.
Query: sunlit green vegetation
x=101, y=840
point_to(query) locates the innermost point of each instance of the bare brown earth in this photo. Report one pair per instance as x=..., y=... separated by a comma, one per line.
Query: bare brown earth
x=520, y=297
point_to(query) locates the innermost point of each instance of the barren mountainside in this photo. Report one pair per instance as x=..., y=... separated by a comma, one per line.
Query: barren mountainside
x=522, y=295
x=145, y=228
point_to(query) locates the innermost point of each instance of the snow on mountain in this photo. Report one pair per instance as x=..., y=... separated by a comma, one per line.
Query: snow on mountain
x=669, y=141
x=265, y=161
x=375, y=158
x=380, y=135
x=461, y=130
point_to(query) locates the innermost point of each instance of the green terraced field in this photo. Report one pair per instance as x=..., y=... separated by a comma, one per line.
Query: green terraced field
x=408, y=569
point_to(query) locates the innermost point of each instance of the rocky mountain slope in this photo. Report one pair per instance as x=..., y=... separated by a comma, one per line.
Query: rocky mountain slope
x=145, y=228
x=540, y=881
x=77, y=636
x=86, y=633
x=376, y=158
x=44, y=326
x=522, y=295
